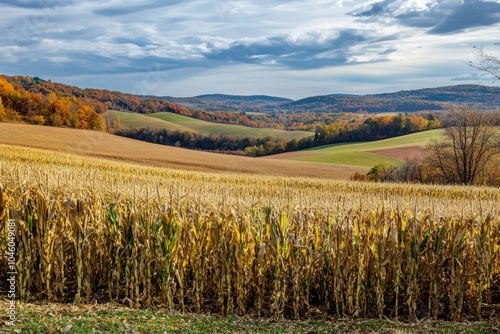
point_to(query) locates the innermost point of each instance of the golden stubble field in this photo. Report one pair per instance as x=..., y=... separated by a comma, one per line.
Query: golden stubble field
x=98, y=144
x=93, y=229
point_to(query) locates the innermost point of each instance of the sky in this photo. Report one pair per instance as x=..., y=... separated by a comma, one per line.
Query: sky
x=291, y=49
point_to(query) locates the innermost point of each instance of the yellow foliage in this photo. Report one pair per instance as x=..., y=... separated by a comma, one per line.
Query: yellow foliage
x=3, y=117
x=5, y=86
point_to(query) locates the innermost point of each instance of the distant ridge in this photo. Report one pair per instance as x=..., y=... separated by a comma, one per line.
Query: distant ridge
x=402, y=101
x=225, y=102
x=343, y=95
x=438, y=98
x=457, y=94
x=243, y=98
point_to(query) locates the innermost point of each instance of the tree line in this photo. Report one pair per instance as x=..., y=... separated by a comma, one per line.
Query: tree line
x=193, y=140
x=19, y=105
x=374, y=128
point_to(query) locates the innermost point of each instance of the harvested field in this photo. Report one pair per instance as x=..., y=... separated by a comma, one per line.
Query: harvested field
x=403, y=153
x=391, y=151
x=289, y=155
x=92, y=230
x=103, y=145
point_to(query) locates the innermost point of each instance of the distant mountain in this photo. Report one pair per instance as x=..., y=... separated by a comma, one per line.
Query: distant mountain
x=403, y=101
x=368, y=103
x=342, y=95
x=485, y=95
x=234, y=103
x=200, y=106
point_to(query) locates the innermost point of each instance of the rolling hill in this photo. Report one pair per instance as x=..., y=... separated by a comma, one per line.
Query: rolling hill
x=103, y=145
x=171, y=121
x=484, y=95
x=402, y=101
x=368, y=154
x=224, y=102
x=21, y=93
x=369, y=103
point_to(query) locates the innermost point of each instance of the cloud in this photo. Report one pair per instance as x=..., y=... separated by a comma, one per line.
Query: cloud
x=466, y=77
x=470, y=14
x=441, y=17
x=127, y=8
x=116, y=54
x=393, y=8
x=36, y=4
x=476, y=76
x=307, y=50
x=233, y=32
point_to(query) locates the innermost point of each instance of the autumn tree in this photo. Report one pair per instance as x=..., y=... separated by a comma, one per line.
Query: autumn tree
x=415, y=123
x=469, y=146
x=3, y=117
x=96, y=122
x=113, y=123
x=59, y=112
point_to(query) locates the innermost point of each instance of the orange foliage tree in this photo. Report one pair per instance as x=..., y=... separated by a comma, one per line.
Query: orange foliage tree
x=46, y=107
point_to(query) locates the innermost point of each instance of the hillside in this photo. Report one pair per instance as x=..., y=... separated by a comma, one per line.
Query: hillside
x=103, y=145
x=368, y=154
x=403, y=101
x=171, y=121
x=100, y=99
x=41, y=102
x=38, y=101
x=484, y=95
x=233, y=103
x=369, y=103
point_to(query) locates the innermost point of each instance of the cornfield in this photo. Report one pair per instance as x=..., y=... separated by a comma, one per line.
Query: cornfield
x=92, y=229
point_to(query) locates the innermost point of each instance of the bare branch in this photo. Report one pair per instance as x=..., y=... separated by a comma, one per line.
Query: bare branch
x=486, y=62
x=469, y=145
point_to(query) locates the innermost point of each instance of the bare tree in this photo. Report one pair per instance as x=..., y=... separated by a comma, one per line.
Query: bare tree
x=486, y=62
x=470, y=143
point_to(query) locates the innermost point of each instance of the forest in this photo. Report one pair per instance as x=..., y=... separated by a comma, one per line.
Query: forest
x=48, y=108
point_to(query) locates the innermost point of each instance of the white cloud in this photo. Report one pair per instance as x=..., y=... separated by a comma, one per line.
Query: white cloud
x=409, y=6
